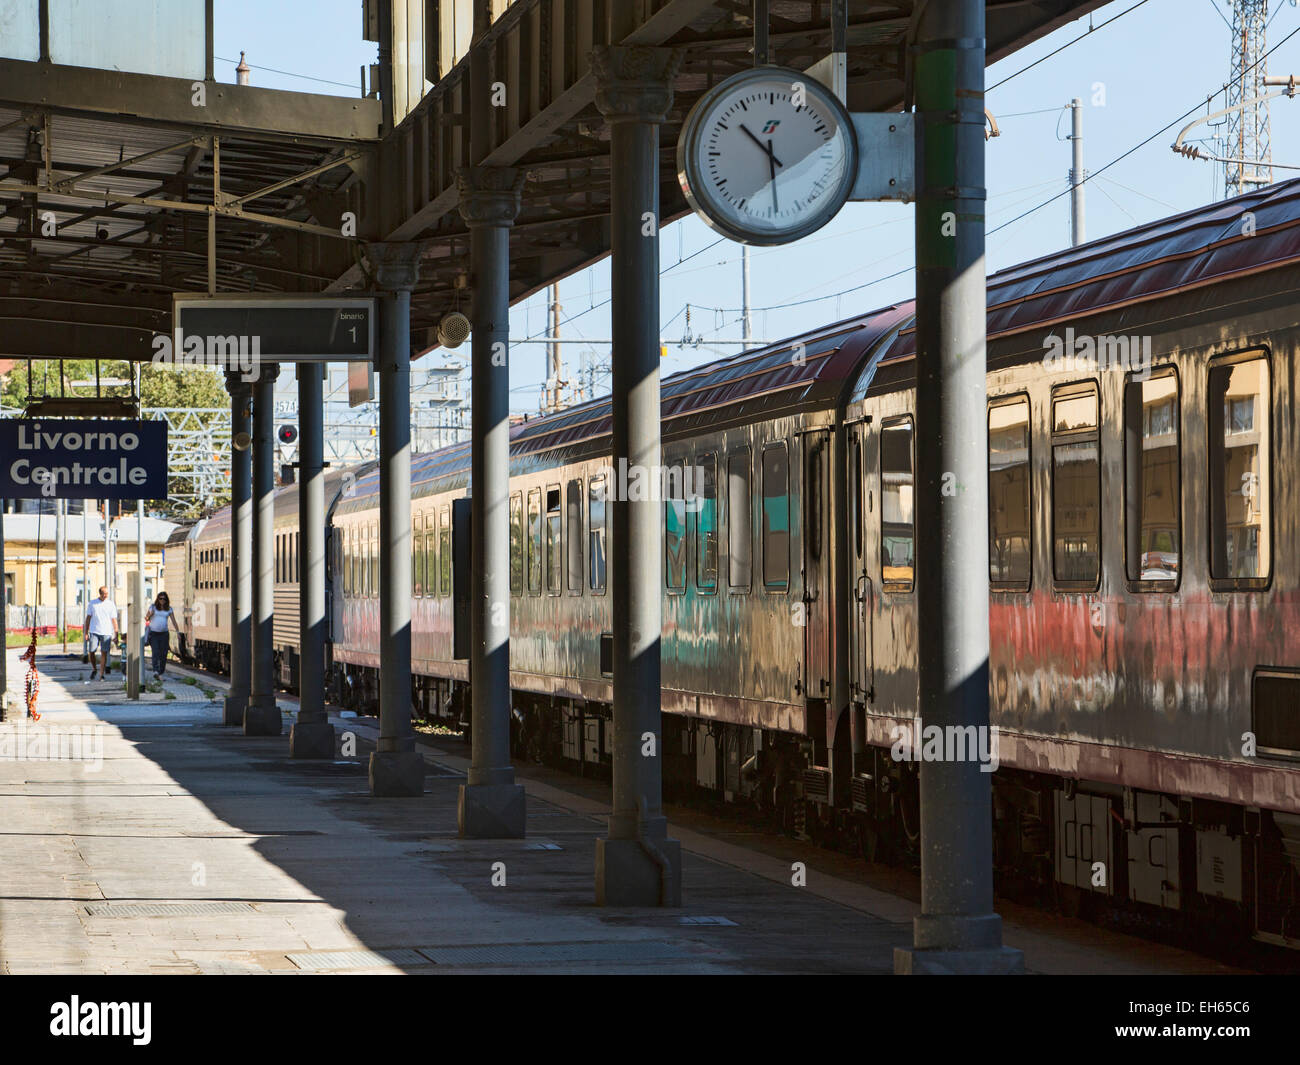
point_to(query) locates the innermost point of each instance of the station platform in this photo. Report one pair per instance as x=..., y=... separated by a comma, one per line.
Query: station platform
x=164, y=842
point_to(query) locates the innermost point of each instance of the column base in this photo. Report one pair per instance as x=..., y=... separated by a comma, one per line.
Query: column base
x=311, y=739
x=491, y=811
x=262, y=718
x=629, y=875
x=396, y=774
x=235, y=707
x=995, y=961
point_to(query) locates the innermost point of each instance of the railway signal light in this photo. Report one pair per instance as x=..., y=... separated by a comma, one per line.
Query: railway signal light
x=288, y=434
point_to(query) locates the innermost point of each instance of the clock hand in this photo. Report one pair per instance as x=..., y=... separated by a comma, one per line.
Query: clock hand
x=772, y=165
x=765, y=147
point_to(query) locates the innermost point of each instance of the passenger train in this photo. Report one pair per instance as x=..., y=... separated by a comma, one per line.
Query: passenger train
x=1143, y=567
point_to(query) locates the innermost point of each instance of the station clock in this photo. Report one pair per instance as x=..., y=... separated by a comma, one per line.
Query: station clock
x=767, y=156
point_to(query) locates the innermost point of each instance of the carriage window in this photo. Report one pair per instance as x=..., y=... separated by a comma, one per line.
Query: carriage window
x=573, y=504
x=814, y=500
x=554, y=544
x=279, y=559
x=897, y=499
x=776, y=517
x=1240, y=478
x=596, y=533
x=1152, y=505
x=535, y=541
x=706, y=522
x=856, y=474
x=297, y=560
x=1076, y=490
x=342, y=539
x=674, y=530
x=740, y=517
x=417, y=560
x=444, y=550
x=516, y=543
x=1009, y=490
x=374, y=561
x=430, y=557
x=358, y=562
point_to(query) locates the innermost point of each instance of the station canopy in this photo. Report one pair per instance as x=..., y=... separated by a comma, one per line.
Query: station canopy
x=119, y=186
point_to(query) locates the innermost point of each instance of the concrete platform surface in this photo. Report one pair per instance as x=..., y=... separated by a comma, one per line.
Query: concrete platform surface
x=157, y=840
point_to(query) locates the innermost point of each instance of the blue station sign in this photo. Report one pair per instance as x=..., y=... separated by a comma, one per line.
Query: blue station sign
x=75, y=459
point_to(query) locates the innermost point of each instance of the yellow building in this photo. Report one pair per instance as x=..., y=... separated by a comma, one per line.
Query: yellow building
x=30, y=574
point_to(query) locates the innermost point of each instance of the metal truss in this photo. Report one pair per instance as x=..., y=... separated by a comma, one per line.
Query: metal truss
x=198, y=456
x=1249, y=151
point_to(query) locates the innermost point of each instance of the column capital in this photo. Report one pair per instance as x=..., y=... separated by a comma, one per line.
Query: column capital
x=268, y=372
x=238, y=384
x=489, y=195
x=634, y=83
x=395, y=263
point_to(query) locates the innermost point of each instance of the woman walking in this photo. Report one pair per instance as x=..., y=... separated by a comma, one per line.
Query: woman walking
x=159, y=617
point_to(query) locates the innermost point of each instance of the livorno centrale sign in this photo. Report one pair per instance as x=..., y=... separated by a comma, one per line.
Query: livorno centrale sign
x=75, y=459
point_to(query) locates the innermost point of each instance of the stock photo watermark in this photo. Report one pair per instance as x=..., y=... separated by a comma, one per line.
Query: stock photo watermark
x=80, y=744
x=234, y=353
x=1085, y=353
x=919, y=742
x=634, y=483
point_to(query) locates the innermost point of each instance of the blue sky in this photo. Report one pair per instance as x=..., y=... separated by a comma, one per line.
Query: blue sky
x=1145, y=70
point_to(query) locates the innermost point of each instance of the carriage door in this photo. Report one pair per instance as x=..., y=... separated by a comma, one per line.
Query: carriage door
x=817, y=598
x=861, y=507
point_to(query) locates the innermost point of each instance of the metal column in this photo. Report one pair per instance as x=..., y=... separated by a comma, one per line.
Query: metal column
x=396, y=767
x=83, y=600
x=491, y=805
x=241, y=549
x=61, y=570
x=312, y=736
x=1076, y=172
x=141, y=605
x=957, y=930
x=262, y=718
x=110, y=567
x=637, y=865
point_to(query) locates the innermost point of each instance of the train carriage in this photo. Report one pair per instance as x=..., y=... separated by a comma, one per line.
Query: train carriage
x=751, y=645
x=1143, y=566
x=179, y=571
x=1141, y=557
x=208, y=610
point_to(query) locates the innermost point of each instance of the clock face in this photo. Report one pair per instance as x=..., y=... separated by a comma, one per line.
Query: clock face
x=767, y=156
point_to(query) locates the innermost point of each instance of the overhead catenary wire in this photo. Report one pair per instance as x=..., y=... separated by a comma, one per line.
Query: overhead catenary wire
x=289, y=73
x=1074, y=40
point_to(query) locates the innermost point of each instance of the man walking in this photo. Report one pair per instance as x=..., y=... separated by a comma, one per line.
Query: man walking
x=101, y=625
